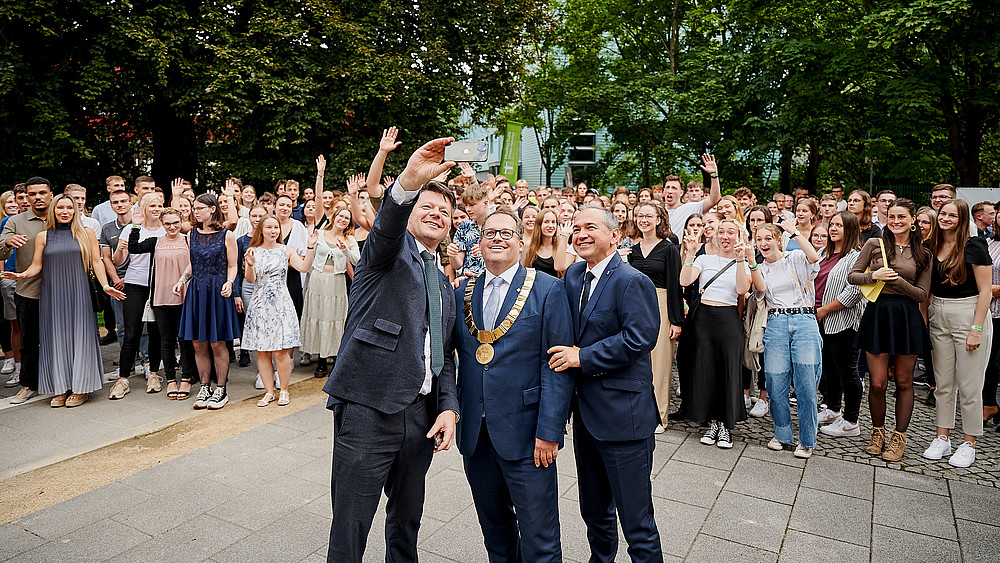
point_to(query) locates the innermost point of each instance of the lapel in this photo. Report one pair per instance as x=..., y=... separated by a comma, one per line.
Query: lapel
x=601, y=284
x=477, y=299
x=515, y=287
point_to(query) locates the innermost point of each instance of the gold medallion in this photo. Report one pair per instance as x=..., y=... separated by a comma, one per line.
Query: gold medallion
x=484, y=353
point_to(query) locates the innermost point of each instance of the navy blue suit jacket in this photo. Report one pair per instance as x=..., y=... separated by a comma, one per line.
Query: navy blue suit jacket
x=615, y=334
x=381, y=359
x=523, y=398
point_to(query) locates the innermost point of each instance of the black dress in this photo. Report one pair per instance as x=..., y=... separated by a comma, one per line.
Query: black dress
x=547, y=265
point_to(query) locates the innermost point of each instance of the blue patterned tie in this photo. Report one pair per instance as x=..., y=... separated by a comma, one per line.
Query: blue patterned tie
x=586, y=293
x=433, y=285
x=493, y=305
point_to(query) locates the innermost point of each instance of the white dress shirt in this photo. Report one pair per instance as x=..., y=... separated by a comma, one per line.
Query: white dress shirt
x=598, y=271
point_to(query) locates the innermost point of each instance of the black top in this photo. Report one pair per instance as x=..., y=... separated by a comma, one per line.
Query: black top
x=547, y=265
x=870, y=232
x=976, y=254
x=663, y=267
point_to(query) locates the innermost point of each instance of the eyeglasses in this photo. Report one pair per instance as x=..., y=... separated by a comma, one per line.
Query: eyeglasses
x=505, y=234
x=171, y=224
x=940, y=197
x=645, y=216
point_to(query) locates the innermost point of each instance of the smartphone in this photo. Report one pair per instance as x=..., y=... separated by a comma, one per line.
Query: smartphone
x=467, y=151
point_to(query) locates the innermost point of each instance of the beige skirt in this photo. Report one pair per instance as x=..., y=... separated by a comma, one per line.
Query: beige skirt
x=324, y=310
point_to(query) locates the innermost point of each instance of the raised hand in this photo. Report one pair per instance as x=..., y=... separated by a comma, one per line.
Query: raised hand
x=566, y=228
x=320, y=165
x=425, y=164
x=313, y=238
x=341, y=244
x=248, y=258
x=690, y=244
x=177, y=186
x=352, y=185
x=137, y=216
x=788, y=225
x=740, y=250
x=467, y=170
x=708, y=164
x=389, y=142
x=387, y=181
x=491, y=180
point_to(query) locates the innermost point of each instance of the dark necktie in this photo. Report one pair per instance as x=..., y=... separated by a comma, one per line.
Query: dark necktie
x=432, y=283
x=586, y=293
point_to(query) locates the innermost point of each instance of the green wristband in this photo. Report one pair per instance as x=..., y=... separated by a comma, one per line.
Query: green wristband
x=979, y=328
x=107, y=287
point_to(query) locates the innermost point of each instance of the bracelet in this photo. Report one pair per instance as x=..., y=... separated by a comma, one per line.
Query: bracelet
x=182, y=280
x=979, y=328
x=753, y=267
x=689, y=264
x=310, y=247
x=714, y=175
x=107, y=287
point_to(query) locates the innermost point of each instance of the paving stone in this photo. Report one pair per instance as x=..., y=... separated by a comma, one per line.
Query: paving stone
x=77, y=512
x=692, y=484
x=167, y=511
x=310, y=418
x=833, y=516
x=98, y=541
x=710, y=549
x=318, y=471
x=447, y=494
x=194, y=540
x=747, y=520
x=837, y=476
x=909, y=480
x=892, y=544
x=317, y=442
x=461, y=539
x=784, y=457
x=272, y=499
x=976, y=503
x=979, y=542
x=800, y=546
x=15, y=540
x=289, y=538
x=272, y=463
x=756, y=478
x=678, y=525
x=693, y=451
x=661, y=455
x=915, y=511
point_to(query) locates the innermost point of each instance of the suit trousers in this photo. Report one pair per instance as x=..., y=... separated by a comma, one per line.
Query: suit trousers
x=517, y=504
x=958, y=372
x=662, y=359
x=616, y=475
x=373, y=451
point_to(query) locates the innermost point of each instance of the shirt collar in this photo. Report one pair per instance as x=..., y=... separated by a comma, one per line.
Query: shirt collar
x=598, y=270
x=422, y=248
x=507, y=276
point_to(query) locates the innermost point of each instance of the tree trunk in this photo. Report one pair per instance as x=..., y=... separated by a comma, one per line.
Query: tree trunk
x=812, y=168
x=785, y=171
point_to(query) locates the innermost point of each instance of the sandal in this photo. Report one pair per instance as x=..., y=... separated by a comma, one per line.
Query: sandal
x=77, y=399
x=59, y=400
x=172, y=390
x=283, y=398
x=265, y=400
x=184, y=390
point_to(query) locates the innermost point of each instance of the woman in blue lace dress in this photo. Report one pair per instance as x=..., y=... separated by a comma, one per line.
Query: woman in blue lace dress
x=272, y=324
x=208, y=316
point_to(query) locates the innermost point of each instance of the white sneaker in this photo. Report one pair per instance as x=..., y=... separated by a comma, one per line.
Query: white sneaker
x=659, y=429
x=939, y=448
x=22, y=396
x=145, y=369
x=746, y=401
x=8, y=366
x=775, y=445
x=759, y=410
x=826, y=416
x=111, y=376
x=802, y=453
x=841, y=427
x=14, y=380
x=964, y=455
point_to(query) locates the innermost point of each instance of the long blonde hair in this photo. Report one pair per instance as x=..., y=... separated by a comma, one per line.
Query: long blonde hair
x=3, y=202
x=76, y=228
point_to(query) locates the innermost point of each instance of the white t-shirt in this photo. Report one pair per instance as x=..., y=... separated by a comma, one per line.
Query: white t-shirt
x=679, y=216
x=91, y=223
x=138, y=264
x=723, y=289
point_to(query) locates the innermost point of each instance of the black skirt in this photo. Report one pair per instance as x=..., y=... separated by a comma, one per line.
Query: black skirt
x=709, y=364
x=893, y=325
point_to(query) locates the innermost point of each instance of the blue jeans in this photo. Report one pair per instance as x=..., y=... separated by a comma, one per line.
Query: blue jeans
x=793, y=349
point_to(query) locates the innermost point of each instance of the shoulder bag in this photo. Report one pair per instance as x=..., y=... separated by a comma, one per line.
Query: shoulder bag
x=871, y=291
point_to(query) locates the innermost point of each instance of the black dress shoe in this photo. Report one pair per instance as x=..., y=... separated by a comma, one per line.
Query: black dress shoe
x=109, y=338
x=244, y=358
x=930, y=401
x=322, y=368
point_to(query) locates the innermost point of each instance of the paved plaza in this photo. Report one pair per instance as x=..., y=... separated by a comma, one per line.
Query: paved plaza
x=263, y=494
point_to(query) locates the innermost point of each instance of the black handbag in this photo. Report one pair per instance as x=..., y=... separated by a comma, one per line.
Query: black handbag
x=98, y=298
x=693, y=306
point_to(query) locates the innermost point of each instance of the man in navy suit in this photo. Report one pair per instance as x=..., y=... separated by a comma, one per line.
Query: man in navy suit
x=513, y=405
x=615, y=320
x=392, y=390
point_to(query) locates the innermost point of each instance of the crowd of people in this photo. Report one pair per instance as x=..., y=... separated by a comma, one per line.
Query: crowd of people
x=566, y=302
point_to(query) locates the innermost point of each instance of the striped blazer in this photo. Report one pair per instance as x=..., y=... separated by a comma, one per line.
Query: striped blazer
x=849, y=296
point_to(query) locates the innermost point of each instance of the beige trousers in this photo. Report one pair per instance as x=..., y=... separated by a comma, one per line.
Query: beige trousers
x=956, y=371
x=662, y=358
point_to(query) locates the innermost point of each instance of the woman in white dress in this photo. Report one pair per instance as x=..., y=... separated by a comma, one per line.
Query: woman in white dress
x=325, y=308
x=272, y=326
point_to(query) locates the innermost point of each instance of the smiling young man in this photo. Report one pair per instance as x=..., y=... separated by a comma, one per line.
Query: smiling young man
x=19, y=233
x=673, y=192
x=392, y=390
x=616, y=321
x=514, y=406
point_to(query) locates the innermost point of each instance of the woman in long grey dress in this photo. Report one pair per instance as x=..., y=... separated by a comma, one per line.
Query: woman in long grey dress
x=70, y=356
x=272, y=325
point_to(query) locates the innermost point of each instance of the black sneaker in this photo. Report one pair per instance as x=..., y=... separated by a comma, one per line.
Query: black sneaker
x=109, y=338
x=218, y=399
x=204, y=394
x=712, y=435
x=244, y=358
x=930, y=401
x=725, y=440
x=322, y=368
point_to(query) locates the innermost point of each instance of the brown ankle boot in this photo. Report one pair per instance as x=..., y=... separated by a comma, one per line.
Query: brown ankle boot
x=877, y=442
x=897, y=444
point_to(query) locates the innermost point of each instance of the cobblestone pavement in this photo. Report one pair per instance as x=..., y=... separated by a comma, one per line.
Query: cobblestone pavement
x=922, y=429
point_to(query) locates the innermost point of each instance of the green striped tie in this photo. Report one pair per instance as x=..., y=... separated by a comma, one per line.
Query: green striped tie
x=433, y=285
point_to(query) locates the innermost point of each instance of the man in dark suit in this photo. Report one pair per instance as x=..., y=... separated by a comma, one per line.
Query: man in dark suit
x=513, y=406
x=616, y=320
x=392, y=390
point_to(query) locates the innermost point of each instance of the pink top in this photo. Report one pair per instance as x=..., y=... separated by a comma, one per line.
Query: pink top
x=171, y=259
